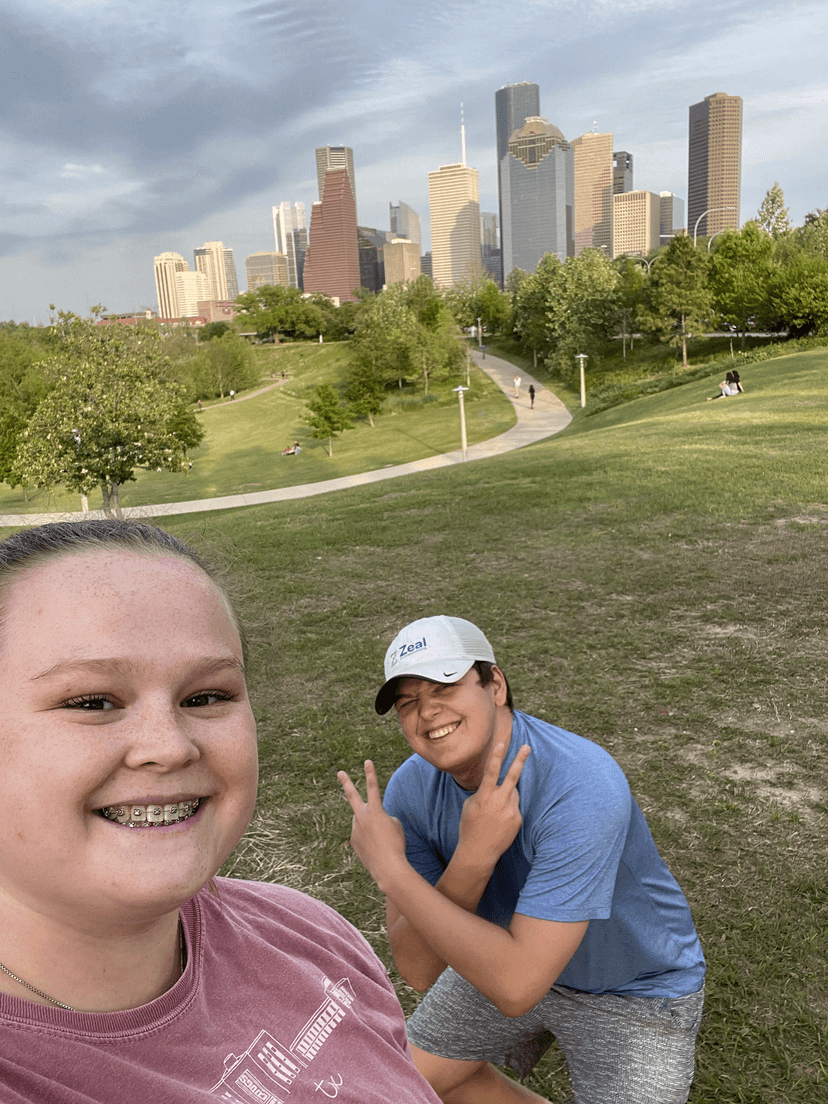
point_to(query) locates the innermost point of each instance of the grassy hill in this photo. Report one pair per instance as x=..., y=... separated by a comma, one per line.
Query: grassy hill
x=652, y=578
x=242, y=448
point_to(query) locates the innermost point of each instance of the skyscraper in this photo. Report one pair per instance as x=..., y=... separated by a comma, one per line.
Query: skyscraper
x=209, y=259
x=402, y=261
x=291, y=238
x=335, y=157
x=514, y=104
x=492, y=253
x=372, y=243
x=332, y=260
x=405, y=222
x=636, y=221
x=672, y=217
x=266, y=268
x=454, y=203
x=191, y=289
x=714, y=164
x=167, y=265
x=593, y=192
x=537, y=191
x=230, y=278
x=622, y=172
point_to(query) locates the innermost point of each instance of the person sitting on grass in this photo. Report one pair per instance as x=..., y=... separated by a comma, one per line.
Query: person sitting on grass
x=128, y=971
x=730, y=385
x=523, y=891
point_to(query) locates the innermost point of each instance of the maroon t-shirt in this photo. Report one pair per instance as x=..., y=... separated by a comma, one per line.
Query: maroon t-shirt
x=282, y=1001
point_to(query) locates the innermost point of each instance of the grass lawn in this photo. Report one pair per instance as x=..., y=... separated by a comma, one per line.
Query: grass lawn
x=653, y=578
x=244, y=438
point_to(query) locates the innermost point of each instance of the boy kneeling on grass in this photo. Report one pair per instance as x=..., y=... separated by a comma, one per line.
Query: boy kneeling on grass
x=523, y=890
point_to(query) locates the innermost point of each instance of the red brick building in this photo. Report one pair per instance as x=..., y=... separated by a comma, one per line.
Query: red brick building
x=332, y=260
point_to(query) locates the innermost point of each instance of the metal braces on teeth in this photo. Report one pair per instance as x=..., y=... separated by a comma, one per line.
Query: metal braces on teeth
x=148, y=816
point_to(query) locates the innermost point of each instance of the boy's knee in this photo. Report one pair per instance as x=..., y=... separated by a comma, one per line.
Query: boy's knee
x=444, y=1074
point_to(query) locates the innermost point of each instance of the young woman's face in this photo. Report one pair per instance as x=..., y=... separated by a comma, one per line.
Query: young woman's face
x=122, y=697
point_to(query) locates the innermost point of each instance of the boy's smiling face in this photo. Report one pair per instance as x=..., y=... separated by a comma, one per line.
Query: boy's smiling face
x=454, y=726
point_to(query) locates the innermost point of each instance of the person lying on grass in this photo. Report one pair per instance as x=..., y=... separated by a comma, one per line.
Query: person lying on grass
x=127, y=971
x=523, y=891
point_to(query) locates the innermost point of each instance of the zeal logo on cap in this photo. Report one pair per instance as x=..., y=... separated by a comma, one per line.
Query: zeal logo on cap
x=440, y=649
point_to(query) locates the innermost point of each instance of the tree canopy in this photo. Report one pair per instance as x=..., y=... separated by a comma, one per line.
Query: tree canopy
x=109, y=410
x=273, y=310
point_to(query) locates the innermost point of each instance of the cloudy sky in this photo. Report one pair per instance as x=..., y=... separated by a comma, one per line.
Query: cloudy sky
x=130, y=127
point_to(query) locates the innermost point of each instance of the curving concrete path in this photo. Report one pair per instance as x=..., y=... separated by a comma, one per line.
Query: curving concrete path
x=550, y=416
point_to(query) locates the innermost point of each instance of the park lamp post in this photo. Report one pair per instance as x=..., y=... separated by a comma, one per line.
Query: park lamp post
x=709, y=211
x=460, y=390
x=582, y=357
x=479, y=333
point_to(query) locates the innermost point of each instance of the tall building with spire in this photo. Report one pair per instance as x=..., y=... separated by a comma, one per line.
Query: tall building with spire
x=714, y=172
x=537, y=190
x=167, y=266
x=334, y=157
x=593, y=192
x=332, y=260
x=514, y=104
x=291, y=238
x=454, y=204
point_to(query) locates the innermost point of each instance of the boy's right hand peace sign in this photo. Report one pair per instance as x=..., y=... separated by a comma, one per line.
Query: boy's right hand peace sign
x=491, y=817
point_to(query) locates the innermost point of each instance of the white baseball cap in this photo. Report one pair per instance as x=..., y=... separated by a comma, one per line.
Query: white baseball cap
x=440, y=649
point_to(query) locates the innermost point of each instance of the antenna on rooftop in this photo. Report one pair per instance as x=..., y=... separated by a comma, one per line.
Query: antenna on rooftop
x=463, y=136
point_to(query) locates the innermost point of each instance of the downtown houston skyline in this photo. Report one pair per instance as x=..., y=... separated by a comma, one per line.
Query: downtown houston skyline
x=132, y=130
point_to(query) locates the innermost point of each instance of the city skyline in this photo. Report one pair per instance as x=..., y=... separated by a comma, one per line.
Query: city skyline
x=131, y=130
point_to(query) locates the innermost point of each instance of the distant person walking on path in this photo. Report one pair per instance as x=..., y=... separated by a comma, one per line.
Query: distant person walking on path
x=731, y=385
x=517, y=387
x=531, y=396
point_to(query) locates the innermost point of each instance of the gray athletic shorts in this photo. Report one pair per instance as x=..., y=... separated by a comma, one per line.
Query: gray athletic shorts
x=618, y=1049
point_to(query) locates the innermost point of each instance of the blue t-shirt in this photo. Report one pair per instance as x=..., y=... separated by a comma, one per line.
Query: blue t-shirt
x=583, y=852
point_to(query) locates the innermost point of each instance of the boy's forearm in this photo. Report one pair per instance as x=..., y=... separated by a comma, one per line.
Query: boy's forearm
x=419, y=964
x=452, y=935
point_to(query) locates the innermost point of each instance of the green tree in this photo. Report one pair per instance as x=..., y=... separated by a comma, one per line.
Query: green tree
x=534, y=304
x=798, y=296
x=481, y=298
x=678, y=299
x=272, y=310
x=109, y=411
x=385, y=340
x=633, y=277
x=585, y=317
x=23, y=384
x=364, y=399
x=813, y=235
x=326, y=415
x=227, y=363
x=213, y=329
x=772, y=215
x=740, y=274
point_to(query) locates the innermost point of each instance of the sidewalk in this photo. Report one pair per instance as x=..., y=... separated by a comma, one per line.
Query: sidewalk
x=550, y=416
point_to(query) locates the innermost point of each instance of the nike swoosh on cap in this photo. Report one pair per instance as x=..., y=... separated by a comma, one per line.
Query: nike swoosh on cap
x=449, y=674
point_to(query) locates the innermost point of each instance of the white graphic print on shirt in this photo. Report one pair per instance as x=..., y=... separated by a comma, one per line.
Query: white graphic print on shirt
x=268, y=1069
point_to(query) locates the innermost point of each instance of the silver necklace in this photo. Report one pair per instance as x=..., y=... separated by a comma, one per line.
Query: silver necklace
x=182, y=962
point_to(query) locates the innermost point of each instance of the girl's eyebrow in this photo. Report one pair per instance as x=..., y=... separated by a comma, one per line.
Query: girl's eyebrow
x=117, y=665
